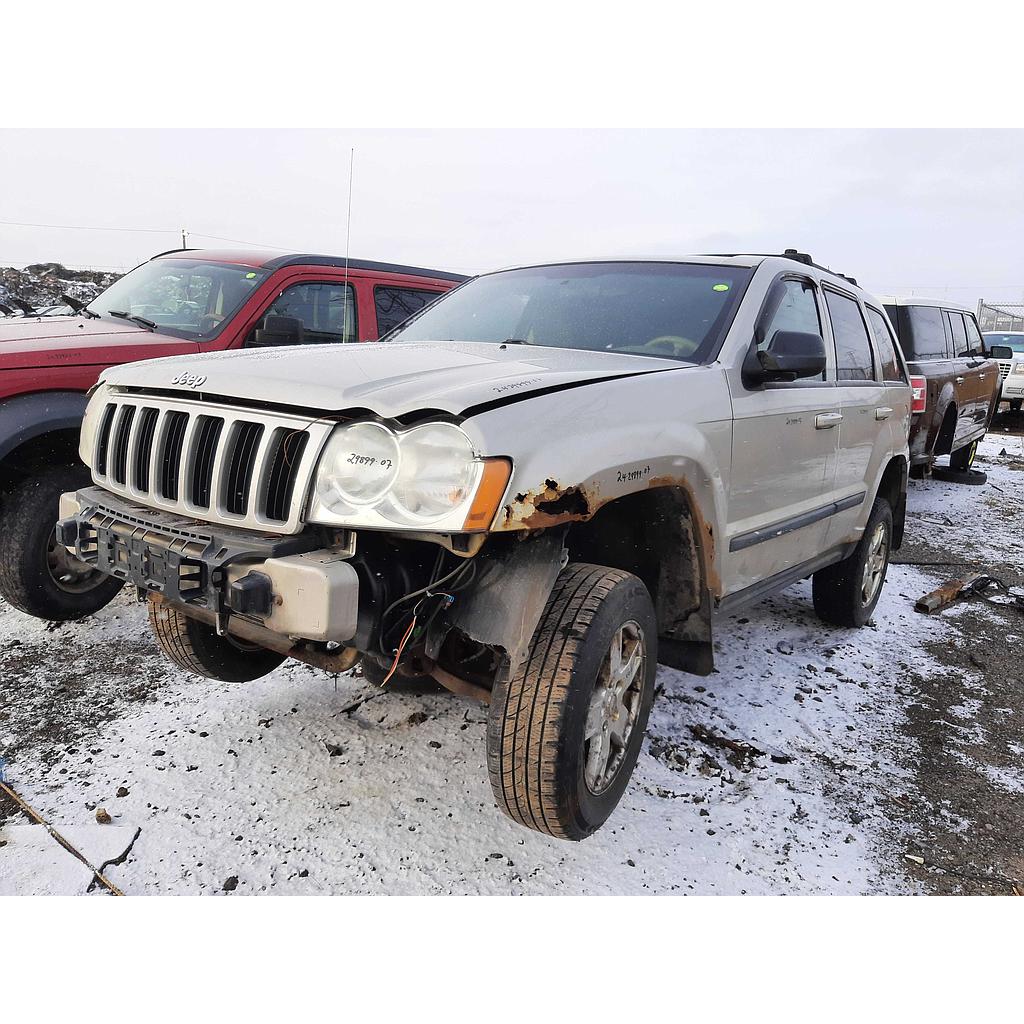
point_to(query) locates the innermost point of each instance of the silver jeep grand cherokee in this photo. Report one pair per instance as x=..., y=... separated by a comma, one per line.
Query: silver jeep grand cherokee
x=541, y=486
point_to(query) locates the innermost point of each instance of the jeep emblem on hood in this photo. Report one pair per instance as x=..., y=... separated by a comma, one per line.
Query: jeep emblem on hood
x=192, y=380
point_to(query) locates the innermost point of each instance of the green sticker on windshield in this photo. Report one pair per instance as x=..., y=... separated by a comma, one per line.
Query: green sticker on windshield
x=720, y=287
x=251, y=275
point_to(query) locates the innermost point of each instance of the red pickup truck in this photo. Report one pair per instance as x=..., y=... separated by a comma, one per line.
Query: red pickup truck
x=178, y=303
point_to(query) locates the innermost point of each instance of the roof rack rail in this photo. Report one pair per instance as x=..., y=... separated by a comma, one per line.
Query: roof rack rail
x=802, y=257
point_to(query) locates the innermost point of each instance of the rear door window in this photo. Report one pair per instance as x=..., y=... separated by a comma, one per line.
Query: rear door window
x=395, y=305
x=927, y=338
x=892, y=368
x=854, y=360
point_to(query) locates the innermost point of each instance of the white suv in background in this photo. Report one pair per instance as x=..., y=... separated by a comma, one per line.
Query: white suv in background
x=1011, y=364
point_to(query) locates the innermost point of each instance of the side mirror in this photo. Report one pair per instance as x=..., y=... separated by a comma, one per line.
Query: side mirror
x=1000, y=352
x=279, y=330
x=789, y=356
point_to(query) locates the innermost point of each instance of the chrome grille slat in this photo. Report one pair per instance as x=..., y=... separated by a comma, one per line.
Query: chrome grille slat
x=240, y=467
x=246, y=444
x=142, y=449
x=121, y=435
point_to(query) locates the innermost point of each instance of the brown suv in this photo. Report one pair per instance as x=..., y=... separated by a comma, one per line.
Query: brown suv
x=956, y=384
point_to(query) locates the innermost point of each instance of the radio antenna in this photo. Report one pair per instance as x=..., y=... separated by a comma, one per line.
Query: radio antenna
x=348, y=228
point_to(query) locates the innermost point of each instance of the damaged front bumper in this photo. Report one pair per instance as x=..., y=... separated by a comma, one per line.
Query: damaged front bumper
x=291, y=585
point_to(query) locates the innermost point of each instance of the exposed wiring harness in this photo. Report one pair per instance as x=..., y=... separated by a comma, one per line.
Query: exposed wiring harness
x=460, y=577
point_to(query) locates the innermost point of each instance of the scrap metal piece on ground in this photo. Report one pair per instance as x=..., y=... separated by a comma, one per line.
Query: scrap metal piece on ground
x=946, y=594
x=977, y=585
x=97, y=873
x=32, y=864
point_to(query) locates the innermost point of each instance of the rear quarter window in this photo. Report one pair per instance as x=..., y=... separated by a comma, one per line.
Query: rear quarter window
x=922, y=333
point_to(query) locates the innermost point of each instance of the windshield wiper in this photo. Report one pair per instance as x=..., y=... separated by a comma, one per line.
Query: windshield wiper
x=79, y=307
x=516, y=341
x=140, y=320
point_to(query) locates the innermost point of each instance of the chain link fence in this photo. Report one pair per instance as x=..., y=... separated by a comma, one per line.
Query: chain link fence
x=1004, y=316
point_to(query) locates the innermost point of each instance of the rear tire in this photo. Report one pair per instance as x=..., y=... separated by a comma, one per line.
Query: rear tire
x=564, y=734
x=196, y=647
x=845, y=594
x=37, y=575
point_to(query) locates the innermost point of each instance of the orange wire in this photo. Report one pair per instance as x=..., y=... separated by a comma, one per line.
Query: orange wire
x=398, y=653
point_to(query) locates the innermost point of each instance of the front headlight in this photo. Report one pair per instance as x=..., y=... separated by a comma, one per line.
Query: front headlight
x=1018, y=368
x=427, y=477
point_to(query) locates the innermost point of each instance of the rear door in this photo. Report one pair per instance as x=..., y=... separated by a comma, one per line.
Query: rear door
x=864, y=437
x=784, y=451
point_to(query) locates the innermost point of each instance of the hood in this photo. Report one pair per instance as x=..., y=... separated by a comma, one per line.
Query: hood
x=63, y=340
x=390, y=378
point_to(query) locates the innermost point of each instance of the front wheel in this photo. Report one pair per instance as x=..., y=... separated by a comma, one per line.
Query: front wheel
x=845, y=594
x=38, y=575
x=963, y=458
x=564, y=734
x=196, y=647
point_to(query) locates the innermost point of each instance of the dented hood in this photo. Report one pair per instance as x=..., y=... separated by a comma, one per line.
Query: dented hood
x=389, y=379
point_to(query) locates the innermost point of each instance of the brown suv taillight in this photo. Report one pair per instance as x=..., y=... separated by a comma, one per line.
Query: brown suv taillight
x=919, y=385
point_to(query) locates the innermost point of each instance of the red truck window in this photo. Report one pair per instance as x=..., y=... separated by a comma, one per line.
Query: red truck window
x=396, y=305
x=327, y=310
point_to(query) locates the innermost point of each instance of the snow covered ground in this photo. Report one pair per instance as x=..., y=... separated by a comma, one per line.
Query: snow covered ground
x=297, y=784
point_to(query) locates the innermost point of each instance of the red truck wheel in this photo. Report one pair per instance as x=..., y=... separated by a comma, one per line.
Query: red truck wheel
x=37, y=575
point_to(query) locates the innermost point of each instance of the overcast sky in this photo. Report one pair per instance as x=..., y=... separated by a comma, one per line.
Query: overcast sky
x=929, y=211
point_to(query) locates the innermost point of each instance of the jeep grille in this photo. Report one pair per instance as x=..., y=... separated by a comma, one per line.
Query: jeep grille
x=232, y=466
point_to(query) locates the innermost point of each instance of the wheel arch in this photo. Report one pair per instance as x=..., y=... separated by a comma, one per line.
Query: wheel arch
x=947, y=429
x=660, y=536
x=38, y=428
x=893, y=487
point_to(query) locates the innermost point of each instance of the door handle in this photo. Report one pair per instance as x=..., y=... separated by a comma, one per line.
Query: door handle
x=960, y=380
x=824, y=420
x=883, y=412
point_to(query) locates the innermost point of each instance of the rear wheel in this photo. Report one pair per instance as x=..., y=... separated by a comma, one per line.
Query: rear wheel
x=845, y=594
x=564, y=734
x=37, y=574
x=197, y=648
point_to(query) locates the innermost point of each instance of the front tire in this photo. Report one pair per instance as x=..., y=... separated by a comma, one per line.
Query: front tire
x=196, y=647
x=845, y=594
x=963, y=458
x=564, y=734
x=37, y=574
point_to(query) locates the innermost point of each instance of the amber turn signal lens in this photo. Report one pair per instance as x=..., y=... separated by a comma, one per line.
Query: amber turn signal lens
x=488, y=494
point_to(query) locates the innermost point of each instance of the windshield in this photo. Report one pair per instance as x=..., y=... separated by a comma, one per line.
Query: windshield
x=182, y=297
x=672, y=310
x=1015, y=341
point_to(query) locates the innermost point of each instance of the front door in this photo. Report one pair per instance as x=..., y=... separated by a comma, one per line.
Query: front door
x=783, y=453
